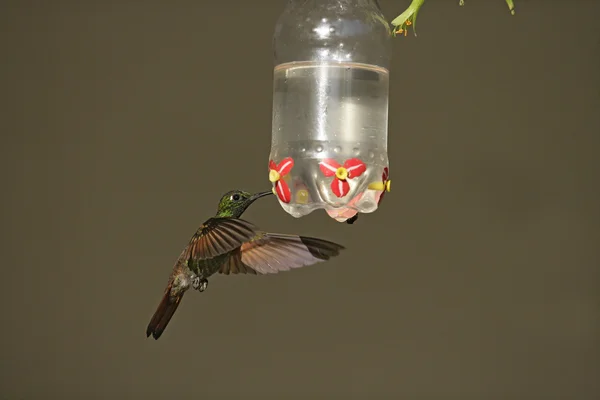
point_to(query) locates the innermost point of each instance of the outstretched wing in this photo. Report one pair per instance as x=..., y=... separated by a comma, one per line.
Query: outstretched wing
x=270, y=253
x=218, y=236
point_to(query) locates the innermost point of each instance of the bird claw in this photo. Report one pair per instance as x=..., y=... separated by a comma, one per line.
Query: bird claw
x=199, y=284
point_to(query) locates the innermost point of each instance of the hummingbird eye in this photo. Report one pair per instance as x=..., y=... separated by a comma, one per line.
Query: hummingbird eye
x=235, y=197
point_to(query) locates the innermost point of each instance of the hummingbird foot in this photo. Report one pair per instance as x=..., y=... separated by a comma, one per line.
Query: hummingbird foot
x=199, y=284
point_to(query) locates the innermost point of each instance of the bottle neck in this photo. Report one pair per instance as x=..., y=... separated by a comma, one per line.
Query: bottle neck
x=335, y=3
x=332, y=31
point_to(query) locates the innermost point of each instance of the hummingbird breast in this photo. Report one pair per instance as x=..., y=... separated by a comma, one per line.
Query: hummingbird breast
x=208, y=267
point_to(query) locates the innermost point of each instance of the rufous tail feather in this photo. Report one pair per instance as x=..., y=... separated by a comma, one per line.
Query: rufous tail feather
x=167, y=307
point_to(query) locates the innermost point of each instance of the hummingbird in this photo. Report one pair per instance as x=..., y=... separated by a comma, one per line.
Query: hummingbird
x=227, y=244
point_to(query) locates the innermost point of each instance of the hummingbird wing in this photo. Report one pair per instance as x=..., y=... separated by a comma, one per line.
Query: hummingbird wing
x=215, y=237
x=218, y=236
x=270, y=253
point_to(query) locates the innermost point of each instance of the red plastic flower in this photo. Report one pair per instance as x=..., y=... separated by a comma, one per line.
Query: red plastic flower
x=387, y=183
x=352, y=168
x=276, y=173
x=384, y=185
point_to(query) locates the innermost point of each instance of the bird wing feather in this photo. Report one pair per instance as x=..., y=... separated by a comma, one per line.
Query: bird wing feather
x=218, y=236
x=270, y=253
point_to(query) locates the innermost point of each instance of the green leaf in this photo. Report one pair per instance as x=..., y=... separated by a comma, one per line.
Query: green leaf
x=511, y=6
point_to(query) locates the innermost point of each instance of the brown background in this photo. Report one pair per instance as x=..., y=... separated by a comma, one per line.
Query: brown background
x=124, y=121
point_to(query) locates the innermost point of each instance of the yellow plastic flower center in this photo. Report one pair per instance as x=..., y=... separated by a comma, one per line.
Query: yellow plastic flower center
x=341, y=173
x=274, y=191
x=381, y=186
x=274, y=176
x=302, y=196
x=377, y=186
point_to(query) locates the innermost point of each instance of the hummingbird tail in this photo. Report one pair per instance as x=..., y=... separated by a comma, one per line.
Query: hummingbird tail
x=167, y=307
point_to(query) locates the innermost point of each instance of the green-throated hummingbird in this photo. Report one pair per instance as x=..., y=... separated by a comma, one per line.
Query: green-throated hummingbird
x=229, y=245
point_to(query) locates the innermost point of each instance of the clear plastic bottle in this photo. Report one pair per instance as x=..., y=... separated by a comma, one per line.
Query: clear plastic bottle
x=330, y=107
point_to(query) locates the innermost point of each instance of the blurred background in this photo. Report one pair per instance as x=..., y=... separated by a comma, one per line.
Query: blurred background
x=123, y=122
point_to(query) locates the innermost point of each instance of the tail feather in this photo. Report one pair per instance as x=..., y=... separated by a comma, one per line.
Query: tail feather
x=167, y=307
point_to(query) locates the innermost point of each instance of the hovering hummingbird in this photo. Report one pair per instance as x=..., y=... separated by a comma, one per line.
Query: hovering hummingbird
x=229, y=245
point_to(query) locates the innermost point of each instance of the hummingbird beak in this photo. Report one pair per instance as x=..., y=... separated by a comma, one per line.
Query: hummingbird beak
x=259, y=195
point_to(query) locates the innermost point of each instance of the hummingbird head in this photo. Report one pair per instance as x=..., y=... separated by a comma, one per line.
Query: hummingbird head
x=234, y=203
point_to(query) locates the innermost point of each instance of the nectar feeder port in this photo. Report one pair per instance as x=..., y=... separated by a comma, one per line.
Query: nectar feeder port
x=330, y=107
